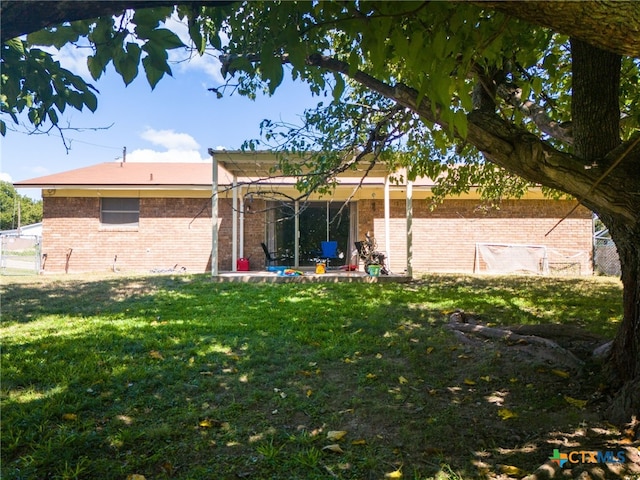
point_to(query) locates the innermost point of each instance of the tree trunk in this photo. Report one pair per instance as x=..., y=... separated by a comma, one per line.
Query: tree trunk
x=623, y=365
x=625, y=354
x=596, y=124
x=595, y=117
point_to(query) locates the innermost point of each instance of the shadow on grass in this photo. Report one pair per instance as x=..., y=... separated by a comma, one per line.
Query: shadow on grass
x=177, y=377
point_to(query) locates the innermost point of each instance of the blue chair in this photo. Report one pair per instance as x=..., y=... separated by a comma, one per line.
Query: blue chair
x=329, y=251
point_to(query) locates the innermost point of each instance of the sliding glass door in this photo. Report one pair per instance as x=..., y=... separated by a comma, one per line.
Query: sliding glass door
x=316, y=222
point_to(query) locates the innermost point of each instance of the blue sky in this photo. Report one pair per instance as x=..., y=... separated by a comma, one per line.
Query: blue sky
x=178, y=121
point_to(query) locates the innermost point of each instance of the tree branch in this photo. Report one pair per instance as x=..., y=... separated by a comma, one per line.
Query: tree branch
x=508, y=146
x=513, y=96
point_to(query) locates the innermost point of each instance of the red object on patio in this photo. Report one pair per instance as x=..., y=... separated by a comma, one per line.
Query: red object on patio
x=243, y=265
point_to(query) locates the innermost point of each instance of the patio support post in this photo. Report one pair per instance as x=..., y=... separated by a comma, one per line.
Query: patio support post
x=387, y=216
x=214, y=214
x=296, y=241
x=409, y=228
x=241, y=253
x=234, y=226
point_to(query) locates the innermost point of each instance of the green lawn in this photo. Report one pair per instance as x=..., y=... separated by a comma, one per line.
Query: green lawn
x=182, y=378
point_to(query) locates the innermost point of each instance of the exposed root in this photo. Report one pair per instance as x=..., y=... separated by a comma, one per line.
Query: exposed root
x=542, y=348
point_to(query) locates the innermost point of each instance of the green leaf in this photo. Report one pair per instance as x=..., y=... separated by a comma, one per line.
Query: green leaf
x=90, y=100
x=154, y=74
x=165, y=39
x=16, y=44
x=338, y=89
x=53, y=116
x=75, y=100
x=3, y=128
x=126, y=62
x=97, y=64
x=196, y=37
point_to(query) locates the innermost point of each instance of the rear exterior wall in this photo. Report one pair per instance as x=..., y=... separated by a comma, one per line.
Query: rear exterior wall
x=444, y=239
x=176, y=232
x=172, y=233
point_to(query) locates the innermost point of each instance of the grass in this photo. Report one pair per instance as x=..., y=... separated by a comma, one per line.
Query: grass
x=177, y=377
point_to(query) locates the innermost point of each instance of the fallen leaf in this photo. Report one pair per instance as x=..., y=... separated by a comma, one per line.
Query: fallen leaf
x=575, y=402
x=486, y=378
x=70, y=417
x=336, y=435
x=371, y=376
x=335, y=448
x=511, y=470
x=378, y=355
x=513, y=380
x=135, y=476
x=167, y=468
x=394, y=474
x=206, y=423
x=560, y=373
x=506, y=414
x=309, y=392
x=156, y=354
x=468, y=381
x=430, y=350
x=360, y=441
x=402, y=380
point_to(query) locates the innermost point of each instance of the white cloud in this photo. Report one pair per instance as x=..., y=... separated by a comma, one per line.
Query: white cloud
x=179, y=147
x=170, y=140
x=5, y=177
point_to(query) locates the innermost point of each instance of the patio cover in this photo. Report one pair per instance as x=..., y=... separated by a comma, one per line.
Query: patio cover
x=261, y=165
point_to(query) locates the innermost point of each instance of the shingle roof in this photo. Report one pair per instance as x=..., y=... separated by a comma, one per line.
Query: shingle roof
x=128, y=174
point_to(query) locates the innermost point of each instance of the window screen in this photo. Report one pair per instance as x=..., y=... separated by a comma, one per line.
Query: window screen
x=124, y=212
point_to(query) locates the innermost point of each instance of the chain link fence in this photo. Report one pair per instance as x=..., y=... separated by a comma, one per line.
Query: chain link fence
x=20, y=254
x=605, y=257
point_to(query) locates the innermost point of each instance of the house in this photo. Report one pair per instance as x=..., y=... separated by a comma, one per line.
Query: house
x=34, y=229
x=139, y=217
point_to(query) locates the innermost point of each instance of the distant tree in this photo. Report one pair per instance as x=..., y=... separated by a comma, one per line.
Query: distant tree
x=11, y=203
x=545, y=92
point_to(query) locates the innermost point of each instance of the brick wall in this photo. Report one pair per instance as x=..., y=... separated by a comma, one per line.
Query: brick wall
x=177, y=231
x=444, y=240
x=171, y=231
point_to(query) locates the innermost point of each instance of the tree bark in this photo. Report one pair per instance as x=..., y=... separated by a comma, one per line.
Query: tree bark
x=595, y=111
x=20, y=17
x=612, y=25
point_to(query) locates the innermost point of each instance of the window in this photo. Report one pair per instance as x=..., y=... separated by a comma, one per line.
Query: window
x=120, y=212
